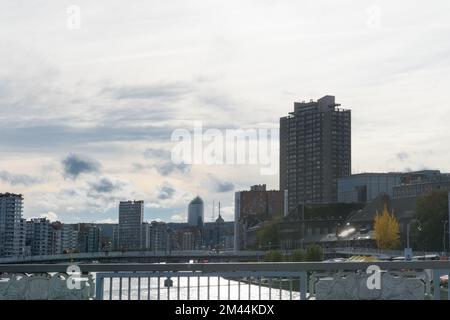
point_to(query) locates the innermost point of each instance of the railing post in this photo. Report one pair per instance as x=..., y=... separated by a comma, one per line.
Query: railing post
x=437, y=284
x=99, y=280
x=303, y=285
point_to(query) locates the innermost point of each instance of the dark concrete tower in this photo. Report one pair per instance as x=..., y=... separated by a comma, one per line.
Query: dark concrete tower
x=315, y=150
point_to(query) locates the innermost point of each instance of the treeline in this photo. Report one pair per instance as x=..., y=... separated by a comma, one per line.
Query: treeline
x=312, y=253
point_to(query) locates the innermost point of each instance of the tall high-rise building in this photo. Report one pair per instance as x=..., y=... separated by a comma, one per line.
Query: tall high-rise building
x=12, y=236
x=195, y=212
x=131, y=215
x=315, y=150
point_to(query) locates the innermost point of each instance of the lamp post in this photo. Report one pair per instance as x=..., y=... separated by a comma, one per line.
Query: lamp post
x=445, y=224
x=408, y=229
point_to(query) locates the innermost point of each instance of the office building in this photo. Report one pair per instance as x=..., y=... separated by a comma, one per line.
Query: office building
x=131, y=215
x=365, y=187
x=195, y=212
x=315, y=150
x=419, y=183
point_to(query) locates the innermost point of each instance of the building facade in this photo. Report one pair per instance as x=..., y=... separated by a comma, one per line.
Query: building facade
x=115, y=238
x=40, y=237
x=131, y=215
x=365, y=187
x=315, y=150
x=12, y=233
x=253, y=207
x=196, y=212
x=419, y=183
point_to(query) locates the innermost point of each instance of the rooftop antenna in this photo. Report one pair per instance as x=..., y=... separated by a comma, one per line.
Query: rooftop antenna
x=219, y=208
x=212, y=219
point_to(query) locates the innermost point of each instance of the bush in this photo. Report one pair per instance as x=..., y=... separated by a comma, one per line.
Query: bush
x=298, y=255
x=273, y=256
x=314, y=253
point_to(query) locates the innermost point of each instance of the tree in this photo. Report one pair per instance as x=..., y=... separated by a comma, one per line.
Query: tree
x=298, y=255
x=273, y=256
x=431, y=214
x=267, y=235
x=314, y=252
x=387, y=230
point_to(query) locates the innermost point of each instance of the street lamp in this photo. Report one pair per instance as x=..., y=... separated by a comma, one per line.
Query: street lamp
x=408, y=227
x=445, y=223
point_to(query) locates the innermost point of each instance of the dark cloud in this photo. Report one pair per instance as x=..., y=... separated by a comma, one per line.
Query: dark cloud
x=159, y=91
x=163, y=163
x=18, y=179
x=219, y=185
x=58, y=136
x=168, y=168
x=104, y=185
x=224, y=186
x=157, y=153
x=74, y=165
x=166, y=192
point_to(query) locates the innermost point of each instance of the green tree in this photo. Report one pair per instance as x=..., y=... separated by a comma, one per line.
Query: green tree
x=314, y=252
x=298, y=255
x=268, y=236
x=432, y=212
x=273, y=256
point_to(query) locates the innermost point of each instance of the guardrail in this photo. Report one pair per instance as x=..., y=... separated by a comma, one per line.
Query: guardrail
x=192, y=254
x=285, y=280
x=374, y=251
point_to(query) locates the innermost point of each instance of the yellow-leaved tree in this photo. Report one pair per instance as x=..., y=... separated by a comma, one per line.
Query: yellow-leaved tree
x=387, y=230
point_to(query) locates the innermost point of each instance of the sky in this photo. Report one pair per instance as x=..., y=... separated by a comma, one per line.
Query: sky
x=90, y=93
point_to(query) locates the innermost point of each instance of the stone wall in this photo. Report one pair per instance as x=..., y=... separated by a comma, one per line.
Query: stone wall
x=353, y=286
x=45, y=286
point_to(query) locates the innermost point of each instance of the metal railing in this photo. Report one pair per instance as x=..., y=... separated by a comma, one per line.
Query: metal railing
x=184, y=255
x=222, y=281
x=374, y=251
x=201, y=286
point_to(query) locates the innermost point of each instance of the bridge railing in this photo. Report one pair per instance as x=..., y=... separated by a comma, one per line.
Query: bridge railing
x=221, y=281
x=86, y=256
x=374, y=251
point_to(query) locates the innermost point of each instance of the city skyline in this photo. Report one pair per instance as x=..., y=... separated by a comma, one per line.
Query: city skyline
x=85, y=126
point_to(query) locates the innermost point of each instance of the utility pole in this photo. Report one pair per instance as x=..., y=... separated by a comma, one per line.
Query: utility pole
x=445, y=231
x=448, y=220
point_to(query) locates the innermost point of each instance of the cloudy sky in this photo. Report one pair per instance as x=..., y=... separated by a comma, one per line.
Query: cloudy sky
x=88, y=102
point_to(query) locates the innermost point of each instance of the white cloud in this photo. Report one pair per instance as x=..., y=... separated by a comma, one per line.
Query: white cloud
x=50, y=216
x=107, y=221
x=178, y=218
